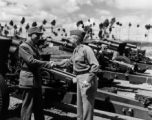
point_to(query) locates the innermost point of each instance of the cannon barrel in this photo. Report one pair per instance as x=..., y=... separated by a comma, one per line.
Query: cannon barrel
x=93, y=44
x=63, y=76
x=68, y=46
x=112, y=46
x=57, y=42
x=107, y=41
x=16, y=42
x=118, y=42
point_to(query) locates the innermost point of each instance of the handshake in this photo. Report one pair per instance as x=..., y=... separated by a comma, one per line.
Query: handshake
x=51, y=64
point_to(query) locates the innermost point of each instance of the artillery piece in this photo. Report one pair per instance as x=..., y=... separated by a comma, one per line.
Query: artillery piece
x=10, y=66
x=105, y=99
x=105, y=58
x=140, y=108
x=132, y=55
x=131, y=51
x=8, y=70
x=114, y=102
x=112, y=69
x=57, y=80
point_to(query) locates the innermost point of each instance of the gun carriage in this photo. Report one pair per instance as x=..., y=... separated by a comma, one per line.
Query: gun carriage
x=131, y=51
x=106, y=99
x=62, y=82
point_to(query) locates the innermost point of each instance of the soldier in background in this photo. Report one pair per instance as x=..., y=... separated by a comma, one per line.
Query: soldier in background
x=120, y=50
x=85, y=66
x=29, y=78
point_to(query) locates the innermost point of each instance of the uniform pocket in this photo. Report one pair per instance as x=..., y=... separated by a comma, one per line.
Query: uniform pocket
x=85, y=90
x=26, y=78
x=79, y=58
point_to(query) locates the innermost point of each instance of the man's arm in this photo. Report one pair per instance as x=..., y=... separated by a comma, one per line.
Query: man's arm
x=25, y=53
x=64, y=63
x=93, y=63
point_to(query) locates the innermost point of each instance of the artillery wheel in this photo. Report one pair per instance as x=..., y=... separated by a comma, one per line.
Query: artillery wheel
x=123, y=59
x=4, y=98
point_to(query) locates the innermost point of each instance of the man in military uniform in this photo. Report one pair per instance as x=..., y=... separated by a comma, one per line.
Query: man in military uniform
x=85, y=66
x=29, y=80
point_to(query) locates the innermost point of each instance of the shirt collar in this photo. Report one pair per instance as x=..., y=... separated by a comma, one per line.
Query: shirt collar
x=78, y=47
x=31, y=42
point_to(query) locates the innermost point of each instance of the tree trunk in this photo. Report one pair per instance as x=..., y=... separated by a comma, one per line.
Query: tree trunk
x=147, y=35
x=119, y=32
x=128, y=33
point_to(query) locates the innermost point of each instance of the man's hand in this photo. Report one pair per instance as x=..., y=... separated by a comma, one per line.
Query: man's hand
x=85, y=84
x=52, y=63
x=74, y=80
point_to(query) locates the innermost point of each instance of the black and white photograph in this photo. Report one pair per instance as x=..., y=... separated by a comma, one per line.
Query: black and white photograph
x=75, y=60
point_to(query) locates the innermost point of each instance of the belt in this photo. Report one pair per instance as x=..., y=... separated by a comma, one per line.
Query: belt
x=80, y=73
x=25, y=69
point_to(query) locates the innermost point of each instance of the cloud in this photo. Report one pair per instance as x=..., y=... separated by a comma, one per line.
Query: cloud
x=83, y=16
x=82, y=2
x=17, y=9
x=7, y=17
x=102, y=12
x=37, y=10
x=68, y=12
x=58, y=7
x=133, y=4
x=2, y=4
x=128, y=4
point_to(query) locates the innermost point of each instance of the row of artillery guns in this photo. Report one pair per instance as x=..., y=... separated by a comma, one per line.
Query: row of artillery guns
x=61, y=81
x=111, y=68
x=120, y=61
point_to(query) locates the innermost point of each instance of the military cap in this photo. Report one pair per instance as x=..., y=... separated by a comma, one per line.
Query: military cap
x=34, y=30
x=79, y=33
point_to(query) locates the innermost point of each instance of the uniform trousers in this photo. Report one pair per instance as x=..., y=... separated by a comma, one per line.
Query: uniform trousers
x=86, y=97
x=32, y=102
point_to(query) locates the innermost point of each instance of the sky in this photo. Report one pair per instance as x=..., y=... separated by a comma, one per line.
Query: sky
x=68, y=12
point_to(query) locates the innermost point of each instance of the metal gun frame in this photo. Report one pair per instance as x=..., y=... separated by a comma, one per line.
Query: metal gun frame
x=107, y=101
x=114, y=45
x=61, y=81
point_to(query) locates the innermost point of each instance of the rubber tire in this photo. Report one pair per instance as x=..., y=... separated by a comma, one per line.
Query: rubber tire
x=4, y=98
x=123, y=59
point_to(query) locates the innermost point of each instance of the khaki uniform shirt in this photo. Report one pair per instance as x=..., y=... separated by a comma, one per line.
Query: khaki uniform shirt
x=31, y=62
x=83, y=61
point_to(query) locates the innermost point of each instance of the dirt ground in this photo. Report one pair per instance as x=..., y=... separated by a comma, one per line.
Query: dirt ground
x=60, y=111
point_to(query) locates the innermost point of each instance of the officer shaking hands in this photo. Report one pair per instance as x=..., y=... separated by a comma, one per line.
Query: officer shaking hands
x=85, y=66
x=29, y=80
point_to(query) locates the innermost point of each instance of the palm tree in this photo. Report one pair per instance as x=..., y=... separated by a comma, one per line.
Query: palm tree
x=147, y=28
x=117, y=23
x=53, y=23
x=11, y=24
x=22, y=22
x=27, y=27
x=105, y=26
x=129, y=30
x=15, y=29
x=79, y=23
x=137, y=30
x=120, y=24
